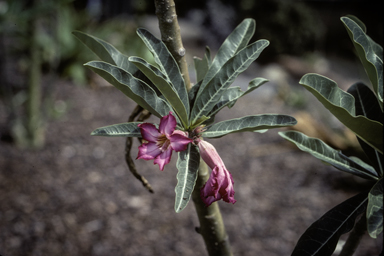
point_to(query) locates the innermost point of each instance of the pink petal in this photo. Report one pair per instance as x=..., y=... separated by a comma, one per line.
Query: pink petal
x=208, y=200
x=227, y=191
x=179, y=142
x=220, y=182
x=219, y=186
x=149, y=132
x=163, y=159
x=209, y=154
x=148, y=151
x=167, y=124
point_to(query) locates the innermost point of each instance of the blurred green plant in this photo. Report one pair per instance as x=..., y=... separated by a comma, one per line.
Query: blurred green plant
x=361, y=110
x=36, y=39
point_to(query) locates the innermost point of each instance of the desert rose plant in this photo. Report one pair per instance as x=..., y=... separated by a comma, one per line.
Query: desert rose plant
x=187, y=114
x=361, y=110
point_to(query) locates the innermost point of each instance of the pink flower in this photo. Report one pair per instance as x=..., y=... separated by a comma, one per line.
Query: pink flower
x=220, y=182
x=162, y=141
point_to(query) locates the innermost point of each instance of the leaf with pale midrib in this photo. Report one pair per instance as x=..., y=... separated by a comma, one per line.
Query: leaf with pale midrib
x=119, y=130
x=342, y=105
x=325, y=153
x=211, y=94
x=188, y=166
x=105, y=51
x=232, y=94
x=167, y=64
x=167, y=90
x=134, y=88
x=236, y=41
x=248, y=124
x=370, y=54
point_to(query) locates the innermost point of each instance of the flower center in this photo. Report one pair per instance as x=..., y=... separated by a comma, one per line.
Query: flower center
x=163, y=142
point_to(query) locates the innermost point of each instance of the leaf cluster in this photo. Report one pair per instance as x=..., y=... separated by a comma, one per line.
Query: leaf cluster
x=160, y=88
x=361, y=110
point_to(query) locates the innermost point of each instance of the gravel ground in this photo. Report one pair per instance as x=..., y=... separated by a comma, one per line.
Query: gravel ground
x=76, y=196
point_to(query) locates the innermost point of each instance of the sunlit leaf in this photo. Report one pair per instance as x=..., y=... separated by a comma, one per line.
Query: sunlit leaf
x=357, y=21
x=321, y=238
x=134, y=88
x=375, y=210
x=370, y=54
x=325, y=153
x=248, y=124
x=167, y=90
x=188, y=166
x=167, y=64
x=119, y=130
x=342, y=105
x=225, y=76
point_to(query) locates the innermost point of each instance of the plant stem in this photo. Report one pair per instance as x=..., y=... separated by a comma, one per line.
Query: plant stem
x=170, y=35
x=211, y=223
x=354, y=237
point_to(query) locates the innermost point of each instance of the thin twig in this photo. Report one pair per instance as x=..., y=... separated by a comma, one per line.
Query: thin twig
x=144, y=114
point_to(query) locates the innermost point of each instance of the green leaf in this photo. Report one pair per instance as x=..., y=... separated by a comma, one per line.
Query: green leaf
x=325, y=153
x=167, y=90
x=134, y=88
x=375, y=210
x=119, y=130
x=207, y=55
x=367, y=105
x=200, y=121
x=235, y=42
x=232, y=94
x=110, y=54
x=201, y=67
x=225, y=76
x=357, y=21
x=188, y=166
x=228, y=98
x=321, y=237
x=248, y=124
x=167, y=64
x=105, y=51
x=342, y=105
x=370, y=54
